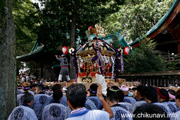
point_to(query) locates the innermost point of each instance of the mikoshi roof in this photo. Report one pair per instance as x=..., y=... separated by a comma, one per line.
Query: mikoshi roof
x=89, y=49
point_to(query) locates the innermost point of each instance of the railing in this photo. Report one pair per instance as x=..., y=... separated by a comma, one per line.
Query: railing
x=172, y=57
x=165, y=79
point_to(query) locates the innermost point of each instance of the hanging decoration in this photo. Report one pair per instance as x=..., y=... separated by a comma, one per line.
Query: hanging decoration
x=126, y=50
x=65, y=50
x=97, y=57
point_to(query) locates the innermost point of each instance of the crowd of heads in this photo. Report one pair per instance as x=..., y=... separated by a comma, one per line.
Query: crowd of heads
x=130, y=100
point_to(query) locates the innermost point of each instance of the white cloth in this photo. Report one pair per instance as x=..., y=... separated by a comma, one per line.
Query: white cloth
x=92, y=115
x=22, y=113
x=60, y=77
x=177, y=115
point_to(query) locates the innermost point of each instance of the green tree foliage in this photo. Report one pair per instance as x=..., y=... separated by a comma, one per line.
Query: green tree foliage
x=144, y=59
x=115, y=42
x=25, y=19
x=63, y=21
x=136, y=17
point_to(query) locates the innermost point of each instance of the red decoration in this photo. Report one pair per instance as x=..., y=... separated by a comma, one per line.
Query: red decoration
x=82, y=65
x=109, y=64
x=95, y=65
x=97, y=44
x=65, y=50
x=90, y=29
x=126, y=50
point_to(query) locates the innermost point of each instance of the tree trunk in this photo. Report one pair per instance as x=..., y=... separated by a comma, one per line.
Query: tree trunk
x=7, y=60
x=72, y=38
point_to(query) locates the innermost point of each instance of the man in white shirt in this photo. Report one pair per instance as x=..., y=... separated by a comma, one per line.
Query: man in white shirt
x=76, y=97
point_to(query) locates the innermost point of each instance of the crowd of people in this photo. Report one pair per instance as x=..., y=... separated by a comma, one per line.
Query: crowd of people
x=38, y=101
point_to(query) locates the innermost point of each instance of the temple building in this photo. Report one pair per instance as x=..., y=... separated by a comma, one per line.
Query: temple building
x=166, y=33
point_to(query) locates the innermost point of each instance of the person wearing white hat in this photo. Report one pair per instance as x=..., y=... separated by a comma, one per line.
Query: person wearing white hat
x=64, y=67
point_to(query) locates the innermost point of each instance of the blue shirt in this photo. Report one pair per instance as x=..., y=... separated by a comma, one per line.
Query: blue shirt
x=22, y=113
x=55, y=111
x=96, y=101
x=129, y=99
x=90, y=105
x=40, y=101
x=88, y=115
x=63, y=100
x=120, y=113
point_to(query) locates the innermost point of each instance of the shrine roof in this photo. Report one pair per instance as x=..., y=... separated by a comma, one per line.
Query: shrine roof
x=162, y=23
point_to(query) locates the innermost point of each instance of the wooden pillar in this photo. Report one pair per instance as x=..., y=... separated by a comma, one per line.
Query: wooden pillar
x=177, y=81
x=154, y=82
x=178, y=47
x=150, y=81
x=157, y=81
x=173, y=81
x=7, y=60
x=164, y=82
x=141, y=80
x=168, y=82
x=147, y=81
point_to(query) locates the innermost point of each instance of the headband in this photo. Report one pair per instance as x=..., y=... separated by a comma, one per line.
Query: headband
x=124, y=88
x=162, y=96
x=171, y=96
x=92, y=91
x=114, y=90
x=26, y=88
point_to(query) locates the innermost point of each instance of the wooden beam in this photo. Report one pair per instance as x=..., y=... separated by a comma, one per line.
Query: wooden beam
x=163, y=73
x=168, y=42
x=178, y=48
x=168, y=21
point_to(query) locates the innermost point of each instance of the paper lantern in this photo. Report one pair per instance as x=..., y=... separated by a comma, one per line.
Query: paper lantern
x=126, y=50
x=65, y=50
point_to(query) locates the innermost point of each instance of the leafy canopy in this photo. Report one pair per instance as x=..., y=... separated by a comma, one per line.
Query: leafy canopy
x=57, y=16
x=136, y=17
x=25, y=19
x=144, y=59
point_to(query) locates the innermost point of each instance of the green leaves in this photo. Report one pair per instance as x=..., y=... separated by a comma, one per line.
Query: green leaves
x=58, y=15
x=137, y=17
x=25, y=19
x=144, y=59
